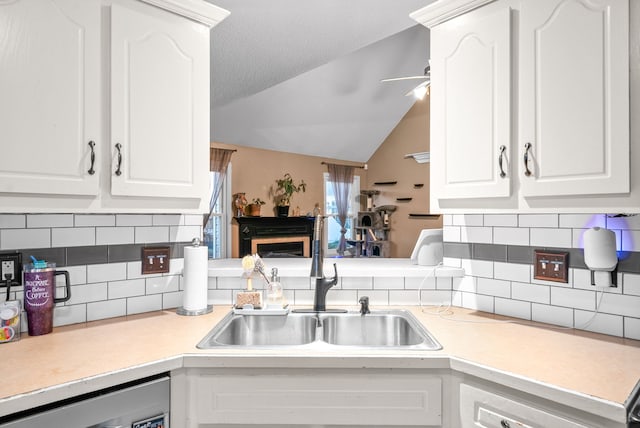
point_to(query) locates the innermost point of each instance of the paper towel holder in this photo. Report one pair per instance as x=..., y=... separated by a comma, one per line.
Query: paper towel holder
x=195, y=242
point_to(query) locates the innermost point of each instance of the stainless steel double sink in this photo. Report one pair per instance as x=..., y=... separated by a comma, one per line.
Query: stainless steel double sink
x=393, y=330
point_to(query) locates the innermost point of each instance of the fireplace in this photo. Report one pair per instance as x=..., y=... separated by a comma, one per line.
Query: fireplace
x=275, y=236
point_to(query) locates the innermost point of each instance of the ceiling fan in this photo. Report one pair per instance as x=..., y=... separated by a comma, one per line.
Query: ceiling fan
x=420, y=90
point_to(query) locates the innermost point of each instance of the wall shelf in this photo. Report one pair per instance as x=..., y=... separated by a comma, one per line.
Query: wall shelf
x=385, y=183
x=403, y=199
x=423, y=215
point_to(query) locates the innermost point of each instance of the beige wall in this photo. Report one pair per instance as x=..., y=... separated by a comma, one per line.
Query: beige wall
x=411, y=135
x=254, y=172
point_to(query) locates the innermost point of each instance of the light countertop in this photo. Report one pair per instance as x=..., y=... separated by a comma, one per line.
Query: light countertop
x=348, y=267
x=570, y=366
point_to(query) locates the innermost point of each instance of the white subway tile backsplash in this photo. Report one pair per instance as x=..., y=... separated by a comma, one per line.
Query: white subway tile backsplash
x=549, y=237
x=444, y=284
x=106, y=309
x=172, y=300
x=114, y=235
x=451, y=233
x=140, y=304
x=538, y=220
x=87, y=293
x=573, y=298
x=631, y=284
x=49, y=220
x=303, y=297
x=478, y=268
x=146, y=235
x=478, y=302
x=582, y=221
x=447, y=220
x=77, y=275
x=220, y=297
x=494, y=287
x=355, y=283
x=468, y=219
x=73, y=237
x=389, y=283
x=86, y=220
x=512, y=271
x=513, y=308
x=481, y=235
x=435, y=297
x=13, y=221
x=134, y=220
x=167, y=220
x=629, y=223
x=376, y=297
x=65, y=315
x=162, y=284
x=184, y=233
x=128, y=288
x=466, y=284
x=601, y=323
x=342, y=297
x=632, y=328
x=295, y=283
x=531, y=292
x=232, y=283
x=415, y=283
x=630, y=240
x=510, y=236
x=619, y=304
x=552, y=315
x=403, y=297
x=107, y=272
x=176, y=267
x=501, y=220
x=193, y=219
x=13, y=239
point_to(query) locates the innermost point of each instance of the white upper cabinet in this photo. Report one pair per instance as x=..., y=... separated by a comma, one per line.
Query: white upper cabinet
x=548, y=81
x=574, y=96
x=471, y=107
x=49, y=96
x=104, y=105
x=159, y=105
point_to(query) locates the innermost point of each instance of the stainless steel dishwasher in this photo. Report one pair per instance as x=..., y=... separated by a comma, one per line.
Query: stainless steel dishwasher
x=142, y=404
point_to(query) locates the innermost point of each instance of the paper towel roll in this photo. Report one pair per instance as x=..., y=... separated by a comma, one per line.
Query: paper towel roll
x=195, y=275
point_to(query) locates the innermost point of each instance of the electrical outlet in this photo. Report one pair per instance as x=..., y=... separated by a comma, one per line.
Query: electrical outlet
x=551, y=266
x=155, y=260
x=11, y=268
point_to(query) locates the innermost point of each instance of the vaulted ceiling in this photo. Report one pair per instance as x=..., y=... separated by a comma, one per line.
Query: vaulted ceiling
x=303, y=76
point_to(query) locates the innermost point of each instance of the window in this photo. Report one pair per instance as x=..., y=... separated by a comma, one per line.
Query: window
x=218, y=229
x=332, y=227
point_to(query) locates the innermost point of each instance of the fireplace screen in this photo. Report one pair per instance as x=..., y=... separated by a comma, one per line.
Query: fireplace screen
x=288, y=246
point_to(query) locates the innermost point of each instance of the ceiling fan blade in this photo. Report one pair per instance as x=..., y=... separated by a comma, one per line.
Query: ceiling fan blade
x=395, y=79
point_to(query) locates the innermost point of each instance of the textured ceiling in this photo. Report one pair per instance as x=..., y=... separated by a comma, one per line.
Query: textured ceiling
x=303, y=75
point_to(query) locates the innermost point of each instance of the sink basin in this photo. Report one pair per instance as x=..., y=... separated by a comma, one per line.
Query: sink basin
x=261, y=330
x=378, y=329
x=392, y=330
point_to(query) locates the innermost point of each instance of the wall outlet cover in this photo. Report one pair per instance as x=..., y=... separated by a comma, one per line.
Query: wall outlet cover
x=155, y=260
x=551, y=265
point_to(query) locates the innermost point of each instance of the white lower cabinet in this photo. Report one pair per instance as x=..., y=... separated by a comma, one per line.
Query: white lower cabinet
x=307, y=397
x=482, y=407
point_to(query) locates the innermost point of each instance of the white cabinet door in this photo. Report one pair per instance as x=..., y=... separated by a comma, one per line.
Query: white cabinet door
x=50, y=101
x=159, y=104
x=471, y=106
x=574, y=97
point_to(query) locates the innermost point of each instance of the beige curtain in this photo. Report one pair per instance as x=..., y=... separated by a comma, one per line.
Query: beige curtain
x=218, y=162
x=341, y=177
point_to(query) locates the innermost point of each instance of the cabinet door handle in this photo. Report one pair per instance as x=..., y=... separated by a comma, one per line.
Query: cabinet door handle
x=119, y=168
x=502, y=150
x=527, y=171
x=505, y=423
x=93, y=158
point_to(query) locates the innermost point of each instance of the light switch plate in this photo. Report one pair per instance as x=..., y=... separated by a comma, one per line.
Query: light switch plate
x=551, y=265
x=155, y=260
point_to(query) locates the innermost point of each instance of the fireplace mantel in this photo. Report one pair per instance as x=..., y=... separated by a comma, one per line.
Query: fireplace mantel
x=254, y=231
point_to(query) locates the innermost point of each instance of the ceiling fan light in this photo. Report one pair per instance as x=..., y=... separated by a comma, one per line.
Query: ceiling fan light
x=420, y=92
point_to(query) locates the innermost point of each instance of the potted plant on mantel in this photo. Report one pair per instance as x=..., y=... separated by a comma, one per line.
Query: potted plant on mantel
x=253, y=209
x=284, y=191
